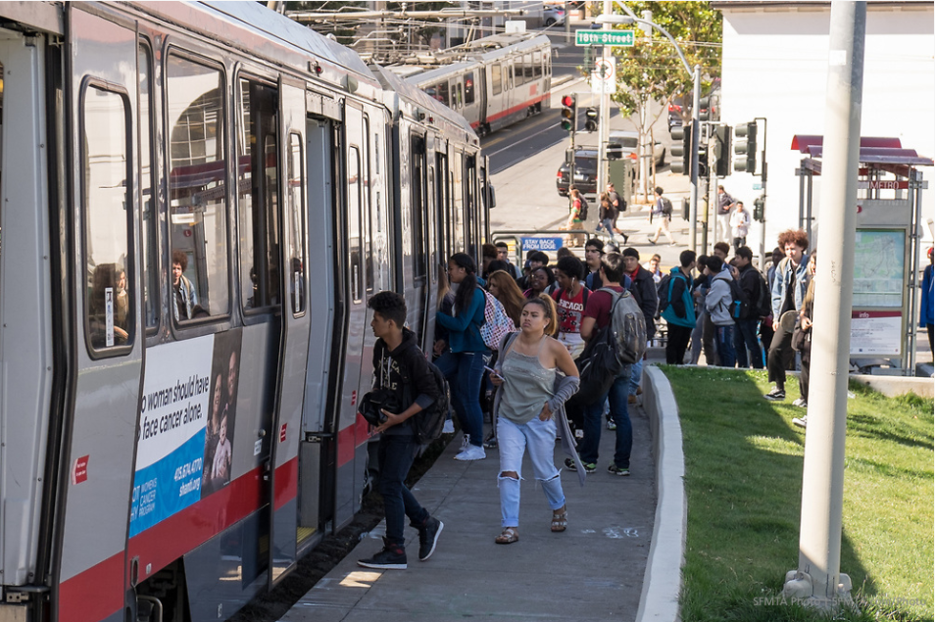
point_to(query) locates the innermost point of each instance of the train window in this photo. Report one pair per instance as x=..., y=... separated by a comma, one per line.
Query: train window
x=457, y=94
x=418, y=245
x=495, y=78
x=469, y=80
x=148, y=205
x=538, y=68
x=458, y=206
x=518, y=72
x=297, y=228
x=367, y=224
x=258, y=196
x=528, y=68
x=442, y=92
x=354, y=222
x=106, y=204
x=198, y=224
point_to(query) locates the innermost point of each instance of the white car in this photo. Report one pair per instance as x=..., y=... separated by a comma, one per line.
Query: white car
x=552, y=15
x=628, y=139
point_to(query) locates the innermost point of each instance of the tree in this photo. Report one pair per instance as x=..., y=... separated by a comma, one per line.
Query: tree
x=651, y=70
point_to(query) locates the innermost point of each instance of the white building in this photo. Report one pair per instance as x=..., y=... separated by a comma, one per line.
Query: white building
x=774, y=65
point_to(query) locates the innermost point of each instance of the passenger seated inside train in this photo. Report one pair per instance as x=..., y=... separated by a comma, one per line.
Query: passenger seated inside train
x=109, y=285
x=184, y=298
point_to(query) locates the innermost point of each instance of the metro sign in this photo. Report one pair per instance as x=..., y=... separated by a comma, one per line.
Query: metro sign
x=882, y=184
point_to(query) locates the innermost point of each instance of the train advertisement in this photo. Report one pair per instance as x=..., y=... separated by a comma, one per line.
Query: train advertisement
x=185, y=427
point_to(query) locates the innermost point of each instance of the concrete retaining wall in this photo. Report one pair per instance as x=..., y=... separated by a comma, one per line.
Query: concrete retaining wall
x=660, y=597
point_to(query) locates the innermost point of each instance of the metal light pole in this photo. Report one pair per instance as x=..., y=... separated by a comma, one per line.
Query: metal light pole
x=603, y=124
x=818, y=578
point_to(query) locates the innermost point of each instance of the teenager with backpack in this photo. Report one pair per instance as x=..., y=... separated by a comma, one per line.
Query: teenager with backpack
x=718, y=303
x=400, y=372
x=598, y=315
x=753, y=285
x=663, y=207
x=530, y=392
x=464, y=362
x=676, y=307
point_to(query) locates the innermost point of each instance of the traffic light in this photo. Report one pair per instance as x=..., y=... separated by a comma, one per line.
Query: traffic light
x=683, y=141
x=592, y=119
x=721, y=138
x=748, y=145
x=759, y=212
x=568, y=114
x=703, y=160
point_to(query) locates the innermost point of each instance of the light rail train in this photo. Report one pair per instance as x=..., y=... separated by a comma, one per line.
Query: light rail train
x=493, y=82
x=198, y=199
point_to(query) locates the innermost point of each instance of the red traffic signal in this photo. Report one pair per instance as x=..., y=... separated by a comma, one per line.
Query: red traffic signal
x=568, y=101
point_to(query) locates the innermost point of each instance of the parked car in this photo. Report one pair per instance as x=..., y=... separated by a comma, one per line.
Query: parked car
x=553, y=14
x=584, y=175
x=628, y=140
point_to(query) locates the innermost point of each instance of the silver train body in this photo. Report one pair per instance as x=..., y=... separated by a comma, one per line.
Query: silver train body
x=170, y=446
x=493, y=82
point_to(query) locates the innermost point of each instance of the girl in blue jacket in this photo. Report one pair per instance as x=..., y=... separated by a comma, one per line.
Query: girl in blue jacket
x=464, y=362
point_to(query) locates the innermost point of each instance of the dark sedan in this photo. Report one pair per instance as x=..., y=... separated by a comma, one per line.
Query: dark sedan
x=584, y=174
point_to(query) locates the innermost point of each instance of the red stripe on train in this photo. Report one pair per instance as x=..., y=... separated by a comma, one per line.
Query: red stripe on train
x=96, y=593
x=350, y=439
x=515, y=109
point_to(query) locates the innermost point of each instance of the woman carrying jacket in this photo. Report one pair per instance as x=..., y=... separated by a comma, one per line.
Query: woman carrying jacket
x=528, y=396
x=464, y=362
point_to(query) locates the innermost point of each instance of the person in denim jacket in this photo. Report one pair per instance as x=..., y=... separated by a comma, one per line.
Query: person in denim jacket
x=787, y=294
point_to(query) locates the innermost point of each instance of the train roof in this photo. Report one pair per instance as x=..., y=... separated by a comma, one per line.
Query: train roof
x=485, y=48
x=410, y=94
x=258, y=17
x=440, y=72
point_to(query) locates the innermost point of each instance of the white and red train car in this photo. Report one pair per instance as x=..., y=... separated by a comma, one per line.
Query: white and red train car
x=493, y=82
x=198, y=201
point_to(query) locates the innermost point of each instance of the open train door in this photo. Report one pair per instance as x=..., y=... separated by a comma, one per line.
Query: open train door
x=100, y=429
x=287, y=419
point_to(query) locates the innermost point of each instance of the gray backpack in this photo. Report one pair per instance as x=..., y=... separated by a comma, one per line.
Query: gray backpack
x=627, y=327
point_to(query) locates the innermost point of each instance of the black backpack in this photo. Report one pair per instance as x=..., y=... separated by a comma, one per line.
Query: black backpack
x=740, y=307
x=762, y=307
x=666, y=206
x=428, y=423
x=583, y=207
x=663, y=293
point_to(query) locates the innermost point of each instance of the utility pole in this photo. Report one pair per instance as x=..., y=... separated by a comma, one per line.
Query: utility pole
x=818, y=578
x=603, y=123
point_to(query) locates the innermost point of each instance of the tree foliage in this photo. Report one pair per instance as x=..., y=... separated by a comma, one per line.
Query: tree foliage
x=651, y=70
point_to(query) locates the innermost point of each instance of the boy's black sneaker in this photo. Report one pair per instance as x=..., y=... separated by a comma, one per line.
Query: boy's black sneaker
x=429, y=534
x=390, y=557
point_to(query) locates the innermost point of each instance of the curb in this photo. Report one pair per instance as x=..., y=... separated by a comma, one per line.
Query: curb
x=663, y=580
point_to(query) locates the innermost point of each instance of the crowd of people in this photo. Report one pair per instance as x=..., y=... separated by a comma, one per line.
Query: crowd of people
x=725, y=309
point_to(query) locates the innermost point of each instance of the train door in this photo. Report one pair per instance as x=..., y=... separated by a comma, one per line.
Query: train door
x=30, y=319
x=443, y=206
x=413, y=218
x=434, y=255
x=326, y=309
x=287, y=420
x=352, y=432
x=471, y=112
x=100, y=433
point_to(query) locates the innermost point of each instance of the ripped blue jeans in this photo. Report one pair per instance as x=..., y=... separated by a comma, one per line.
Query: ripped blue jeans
x=539, y=438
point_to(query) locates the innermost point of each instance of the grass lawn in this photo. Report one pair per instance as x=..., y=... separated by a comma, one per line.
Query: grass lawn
x=744, y=471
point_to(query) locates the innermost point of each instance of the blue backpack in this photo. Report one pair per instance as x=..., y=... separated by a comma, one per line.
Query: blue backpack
x=665, y=297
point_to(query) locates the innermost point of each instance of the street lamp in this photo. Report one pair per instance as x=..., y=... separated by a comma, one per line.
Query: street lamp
x=610, y=18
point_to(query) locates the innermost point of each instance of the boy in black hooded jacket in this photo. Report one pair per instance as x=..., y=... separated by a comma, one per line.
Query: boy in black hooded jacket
x=396, y=351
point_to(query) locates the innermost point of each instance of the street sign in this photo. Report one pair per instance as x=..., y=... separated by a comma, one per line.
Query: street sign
x=605, y=38
x=603, y=76
x=543, y=244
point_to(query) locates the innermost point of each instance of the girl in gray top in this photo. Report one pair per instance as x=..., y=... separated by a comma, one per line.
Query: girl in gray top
x=528, y=396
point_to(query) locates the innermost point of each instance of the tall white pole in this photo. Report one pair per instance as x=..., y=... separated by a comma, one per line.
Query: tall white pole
x=694, y=161
x=818, y=576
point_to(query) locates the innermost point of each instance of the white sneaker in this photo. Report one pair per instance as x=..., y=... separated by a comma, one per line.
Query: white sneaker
x=799, y=402
x=447, y=427
x=465, y=442
x=472, y=453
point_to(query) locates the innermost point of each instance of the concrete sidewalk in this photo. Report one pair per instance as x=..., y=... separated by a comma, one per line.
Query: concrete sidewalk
x=594, y=571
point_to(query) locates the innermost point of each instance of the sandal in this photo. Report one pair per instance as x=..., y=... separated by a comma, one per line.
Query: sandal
x=559, y=520
x=508, y=535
